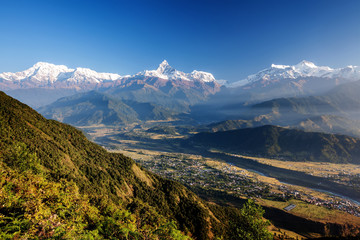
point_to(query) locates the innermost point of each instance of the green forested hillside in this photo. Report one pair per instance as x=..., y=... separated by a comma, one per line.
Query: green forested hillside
x=34, y=207
x=57, y=184
x=290, y=144
x=232, y=125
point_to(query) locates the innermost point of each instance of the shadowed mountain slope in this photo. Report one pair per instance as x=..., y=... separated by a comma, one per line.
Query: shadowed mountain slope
x=98, y=108
x=273, y=141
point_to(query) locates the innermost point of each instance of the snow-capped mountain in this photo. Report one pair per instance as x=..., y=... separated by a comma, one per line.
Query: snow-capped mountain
x=44, y=83
x=44, y=74
x=304, y=69
x=165, y=71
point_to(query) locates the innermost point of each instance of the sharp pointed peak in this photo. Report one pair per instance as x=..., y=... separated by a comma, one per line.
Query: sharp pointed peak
x=164, y=62
x=164, y=66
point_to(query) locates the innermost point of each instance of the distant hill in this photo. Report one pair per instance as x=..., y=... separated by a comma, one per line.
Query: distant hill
x=341, y=100
x=98, y=108
x=290, y=144
x=123, y=201
x=163, y=130
x=323, y=123
x=337, y=111
x=330, y=124
x=233, y=125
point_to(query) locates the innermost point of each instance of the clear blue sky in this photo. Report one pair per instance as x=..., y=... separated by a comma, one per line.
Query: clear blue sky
x=230, y=39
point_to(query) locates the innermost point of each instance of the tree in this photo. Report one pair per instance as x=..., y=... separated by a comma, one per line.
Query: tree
x=253, y=226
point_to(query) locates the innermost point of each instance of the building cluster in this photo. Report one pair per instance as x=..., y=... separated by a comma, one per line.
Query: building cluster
x=194, y=172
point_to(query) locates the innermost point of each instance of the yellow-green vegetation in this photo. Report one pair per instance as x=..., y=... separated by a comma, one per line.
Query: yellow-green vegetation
x=32, y=207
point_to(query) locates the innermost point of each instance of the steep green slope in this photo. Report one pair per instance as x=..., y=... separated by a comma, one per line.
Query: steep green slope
x=33, y=207
x=93, y=107
x=65, y=154
x=290, y=144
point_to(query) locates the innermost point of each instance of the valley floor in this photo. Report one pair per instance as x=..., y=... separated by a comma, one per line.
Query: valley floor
x=225, y=179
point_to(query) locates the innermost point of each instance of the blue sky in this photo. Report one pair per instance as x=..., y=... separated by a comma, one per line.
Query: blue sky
x=230, y=39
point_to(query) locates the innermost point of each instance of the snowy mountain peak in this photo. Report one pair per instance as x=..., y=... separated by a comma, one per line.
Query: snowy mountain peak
x=165, y=71
x=303, y=69
x=164, y=64
x=279, y=66
x=43, y=72
x=47, y=65
x=203, y=76
x=305, y=63
x=48, y=74
x=87, y=74
x=165, y=68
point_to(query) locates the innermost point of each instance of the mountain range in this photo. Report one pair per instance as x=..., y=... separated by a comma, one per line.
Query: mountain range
x=165, y=82
x=304, y=69
x=48, y=75
x=302, y=79
x=160, y=85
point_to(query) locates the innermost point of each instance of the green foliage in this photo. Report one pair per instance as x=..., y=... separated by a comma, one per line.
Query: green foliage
x=18, y=156
x=253, y=227
x=169, y=231
x=33, y=207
